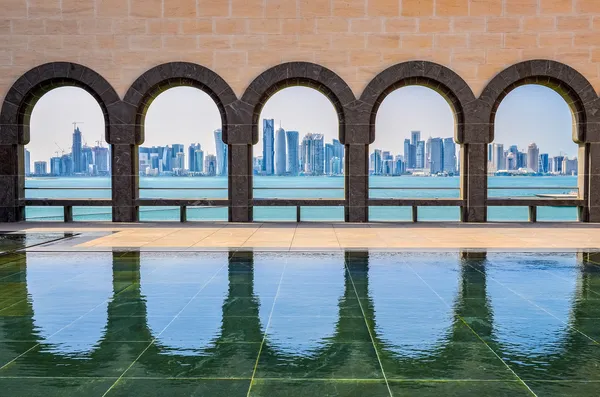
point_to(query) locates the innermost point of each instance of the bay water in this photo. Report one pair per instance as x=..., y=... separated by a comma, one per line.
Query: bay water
x=300, y=187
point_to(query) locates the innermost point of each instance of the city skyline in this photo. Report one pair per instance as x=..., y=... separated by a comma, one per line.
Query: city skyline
x=529, y=113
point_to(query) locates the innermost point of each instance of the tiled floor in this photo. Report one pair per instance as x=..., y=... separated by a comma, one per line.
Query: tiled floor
x=322, y=323
x=309, y=236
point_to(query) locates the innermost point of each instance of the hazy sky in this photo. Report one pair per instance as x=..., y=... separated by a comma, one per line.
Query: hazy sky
x=185, y=115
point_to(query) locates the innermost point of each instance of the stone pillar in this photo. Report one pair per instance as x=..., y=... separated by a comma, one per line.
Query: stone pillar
x=591, y=183
x=12, y=180
x=356, y=171
x=473, y=176
x=125, y=181
x=239, y=160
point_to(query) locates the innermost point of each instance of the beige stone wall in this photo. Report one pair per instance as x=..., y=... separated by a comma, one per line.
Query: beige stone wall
x=239, y=39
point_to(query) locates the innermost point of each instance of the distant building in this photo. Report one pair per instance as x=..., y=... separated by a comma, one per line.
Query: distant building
x=437, y=155
x=101, y=160
x=192, y=163
x=338, y=151
x=313, y=154
x=55, y=166
x=449, y=155
x=329, y=155
x=268, y=146
x=569, y=166
x=27, y=162
x=76, y=151
x=408, y=154
x=558, y=165
x=533, y=154
x=420, y=154
x=415, y=136
x=293, y=161
x=40, y=168
x=210, y=165
x=544, y=163
x=398, y=165
x=199, y=160
x=376, y=166
x=221, y=154
x=280, y=152
x=498, y=162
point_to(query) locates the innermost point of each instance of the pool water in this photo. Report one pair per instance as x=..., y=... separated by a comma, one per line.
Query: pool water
x=238, y=323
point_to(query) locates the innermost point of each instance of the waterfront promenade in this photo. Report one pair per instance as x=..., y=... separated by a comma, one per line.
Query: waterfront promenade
x=102, y=236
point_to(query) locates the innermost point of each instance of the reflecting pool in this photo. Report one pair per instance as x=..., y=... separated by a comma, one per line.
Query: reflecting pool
x=352, y=323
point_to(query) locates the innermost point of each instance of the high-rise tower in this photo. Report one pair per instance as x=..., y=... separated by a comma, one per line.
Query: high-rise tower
x=292, y=152
x=268, y=146
x=221, y=148
x=76, y=150
x=280, y=156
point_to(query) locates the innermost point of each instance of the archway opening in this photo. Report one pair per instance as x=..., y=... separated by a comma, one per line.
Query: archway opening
x=414, y=155
x=533, y=154
x=67, y=156
x=183, y=155
x=298, y=156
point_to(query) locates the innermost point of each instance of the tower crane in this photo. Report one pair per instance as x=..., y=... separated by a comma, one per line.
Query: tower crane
x=75, y=124
x=61, y=149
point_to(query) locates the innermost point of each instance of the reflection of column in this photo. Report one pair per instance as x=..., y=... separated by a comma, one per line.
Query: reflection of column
x=125, y=181
x=474, y=181
x=473, y=300
x=357, y=183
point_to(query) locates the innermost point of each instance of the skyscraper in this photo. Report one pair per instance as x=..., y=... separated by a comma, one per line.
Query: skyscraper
x=437, y=155
x=101, y=160
x=407, y=156
x=498, y=162
x=293, y=161
x=55, y=166
x=280, y=157
x=415, y=136
x=338, y=151
x=192, y=163
x=40, y=167
x=533, y=154
x=449, y=155
x=210, y=165
x=221, y=149
x=420, y=155
x=544, y=163
x=313, y=154
x=27, y=162
x=376, y=162
x=268, y=146
x=76, y=151
x=199, y=161
x=329, y=155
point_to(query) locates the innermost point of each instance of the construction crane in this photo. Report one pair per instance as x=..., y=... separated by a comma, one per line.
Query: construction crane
x=75, y=124
x=61, y=149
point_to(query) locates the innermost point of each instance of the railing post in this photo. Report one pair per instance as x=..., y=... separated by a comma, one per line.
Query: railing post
x=183, y=213
x=532, y=213
x=68, y=213
x=415, y=213
x=298, y=213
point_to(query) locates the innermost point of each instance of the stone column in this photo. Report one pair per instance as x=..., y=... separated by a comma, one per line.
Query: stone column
x=473, y=176
x=356, y=171
x=240, y=182
x=590, y=182
x=12, y=180
x=125, y=182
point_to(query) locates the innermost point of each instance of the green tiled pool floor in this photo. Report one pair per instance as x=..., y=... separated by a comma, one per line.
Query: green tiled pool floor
x=246, y=323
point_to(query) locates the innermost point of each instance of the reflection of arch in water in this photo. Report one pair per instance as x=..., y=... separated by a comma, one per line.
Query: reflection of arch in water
x=521, y=327
x=306, y=311
x=423, y=322
x=197, y=286
x=55, y=305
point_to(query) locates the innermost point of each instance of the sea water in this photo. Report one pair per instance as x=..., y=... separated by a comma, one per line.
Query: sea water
x=300, y=187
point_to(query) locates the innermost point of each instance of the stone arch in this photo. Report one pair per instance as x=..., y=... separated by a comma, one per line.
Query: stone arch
x=16, y=112
x=428, y=74
x=293, y=74
x=175, y=74
x=575, y=89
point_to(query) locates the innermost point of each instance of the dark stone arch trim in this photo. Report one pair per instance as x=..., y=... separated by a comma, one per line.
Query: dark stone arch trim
x=447, y=83
x=566, y=81
x=29, y=88
x=169, y=75
x=15, y=117
x=294, y=74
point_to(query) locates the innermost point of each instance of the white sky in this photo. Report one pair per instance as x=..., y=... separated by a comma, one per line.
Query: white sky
x=187, y=115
